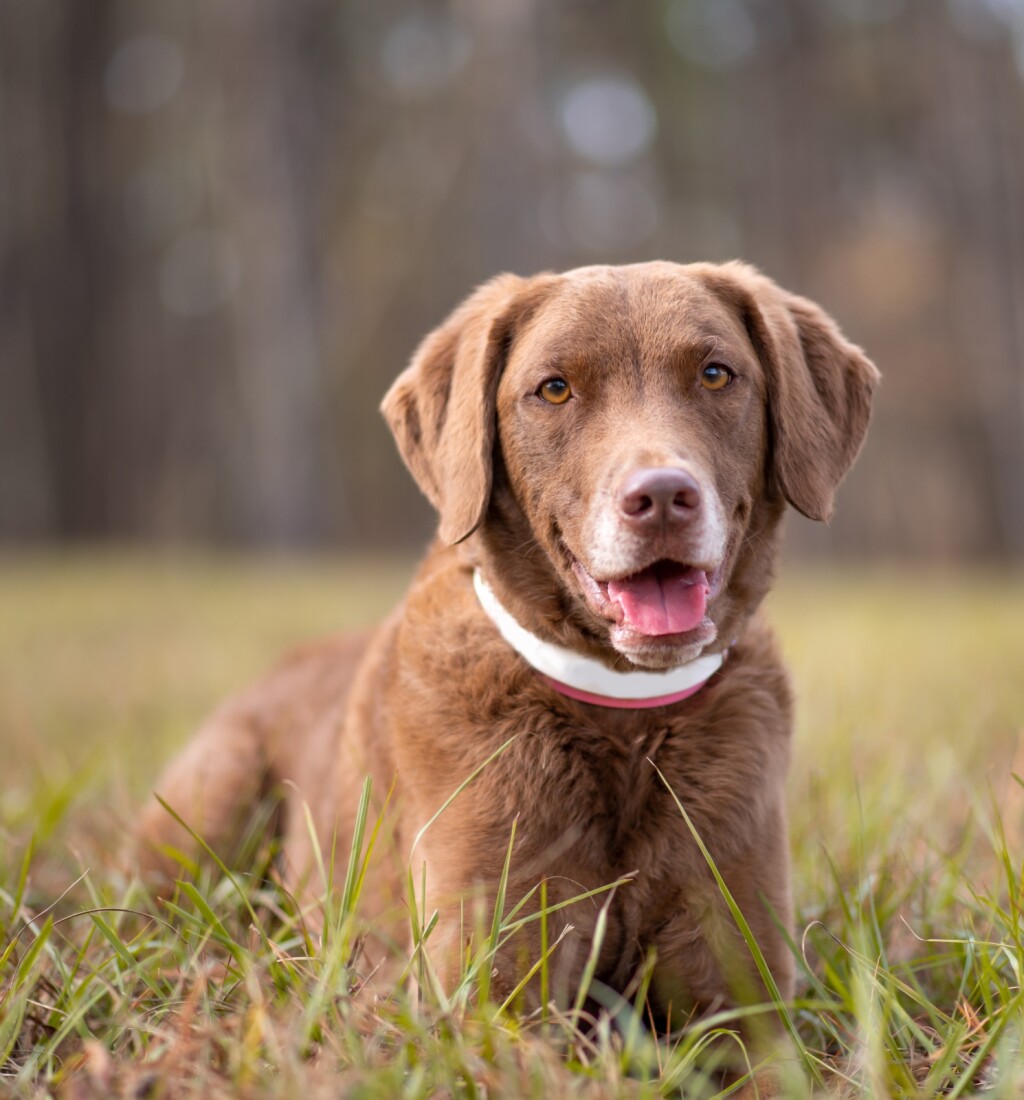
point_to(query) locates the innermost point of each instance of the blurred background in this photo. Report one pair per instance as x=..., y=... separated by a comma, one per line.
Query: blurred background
x=224, y=227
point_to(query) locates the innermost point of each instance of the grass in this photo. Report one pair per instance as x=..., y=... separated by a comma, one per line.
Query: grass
x=907, y=821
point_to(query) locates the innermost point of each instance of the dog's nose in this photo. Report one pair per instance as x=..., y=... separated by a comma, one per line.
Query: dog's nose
x=659, y=495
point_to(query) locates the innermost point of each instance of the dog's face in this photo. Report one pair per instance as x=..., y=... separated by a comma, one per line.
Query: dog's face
x=631, y=422
x=625, y=440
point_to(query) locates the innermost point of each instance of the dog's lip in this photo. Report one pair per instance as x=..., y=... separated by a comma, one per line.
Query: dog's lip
x=595, y=590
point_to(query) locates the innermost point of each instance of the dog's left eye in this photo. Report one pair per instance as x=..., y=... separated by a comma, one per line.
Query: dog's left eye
x=715, y=377
x=556, y=391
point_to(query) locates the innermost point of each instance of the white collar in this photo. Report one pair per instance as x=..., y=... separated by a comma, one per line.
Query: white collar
x=588, y=680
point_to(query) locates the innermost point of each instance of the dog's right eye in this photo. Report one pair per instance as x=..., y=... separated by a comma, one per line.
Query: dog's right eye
x=716, y=377
x=556, y=391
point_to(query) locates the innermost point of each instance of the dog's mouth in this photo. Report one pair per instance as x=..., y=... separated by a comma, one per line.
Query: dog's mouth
x=666, y=598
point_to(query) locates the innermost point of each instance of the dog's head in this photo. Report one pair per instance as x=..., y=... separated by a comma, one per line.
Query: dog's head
x=623, y=440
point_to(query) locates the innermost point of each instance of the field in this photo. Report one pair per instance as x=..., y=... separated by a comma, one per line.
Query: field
x=907, y=821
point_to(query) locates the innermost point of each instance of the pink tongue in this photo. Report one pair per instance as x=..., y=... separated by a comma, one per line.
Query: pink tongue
x=652, y=604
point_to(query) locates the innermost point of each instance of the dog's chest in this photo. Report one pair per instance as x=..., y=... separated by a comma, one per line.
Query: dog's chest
x=608, y=789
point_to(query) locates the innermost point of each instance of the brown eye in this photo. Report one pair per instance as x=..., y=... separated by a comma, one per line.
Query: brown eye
x=555, y=391
x=715, y=377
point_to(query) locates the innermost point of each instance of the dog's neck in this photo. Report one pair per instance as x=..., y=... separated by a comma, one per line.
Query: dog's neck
x=589, y=681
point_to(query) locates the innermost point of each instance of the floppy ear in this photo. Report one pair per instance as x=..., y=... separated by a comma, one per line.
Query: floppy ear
x=441, y=409
x=819, y=393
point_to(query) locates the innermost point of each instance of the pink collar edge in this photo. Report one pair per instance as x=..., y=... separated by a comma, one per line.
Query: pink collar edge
x=621, y=704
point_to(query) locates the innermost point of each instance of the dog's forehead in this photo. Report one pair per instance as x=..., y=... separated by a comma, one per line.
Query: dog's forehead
x=646, y=308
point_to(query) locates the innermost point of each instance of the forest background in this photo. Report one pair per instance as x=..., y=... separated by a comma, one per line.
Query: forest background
x=224, y=228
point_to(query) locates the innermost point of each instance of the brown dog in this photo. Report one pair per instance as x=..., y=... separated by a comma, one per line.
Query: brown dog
x=610, y=452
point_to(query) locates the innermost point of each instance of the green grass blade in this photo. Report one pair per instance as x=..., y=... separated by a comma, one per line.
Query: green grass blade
x=214, y=924
x=499, y=751
x=545, y=952
x=594, y=955
x=487, y=961
x=221, y=866
x=745, y=930
x=539, y=966
x=349, y=895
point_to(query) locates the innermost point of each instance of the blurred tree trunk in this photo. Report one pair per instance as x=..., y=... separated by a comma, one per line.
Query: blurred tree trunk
x=265, y=134
x=53, y=277
x=985, y=161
